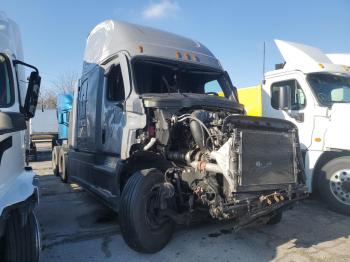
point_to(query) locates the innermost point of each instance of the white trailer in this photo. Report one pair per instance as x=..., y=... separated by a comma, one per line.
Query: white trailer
x=314, y=93
x=19, y=232
x=43, y=128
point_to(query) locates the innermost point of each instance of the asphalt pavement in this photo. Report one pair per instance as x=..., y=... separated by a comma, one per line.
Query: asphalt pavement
x=77, y=227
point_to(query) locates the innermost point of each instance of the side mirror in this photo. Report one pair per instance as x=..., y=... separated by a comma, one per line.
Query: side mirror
x=28, y=106
x=67, y=118
x=284, y=98
x=61, y=119
x=32, y=95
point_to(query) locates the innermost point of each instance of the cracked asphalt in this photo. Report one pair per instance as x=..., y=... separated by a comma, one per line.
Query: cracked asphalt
x=76, y=227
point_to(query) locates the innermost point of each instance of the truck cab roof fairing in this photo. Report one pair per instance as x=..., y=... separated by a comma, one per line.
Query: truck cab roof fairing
x=110, y=37
x=340, y=59
x=306, y=58
x=10, y=37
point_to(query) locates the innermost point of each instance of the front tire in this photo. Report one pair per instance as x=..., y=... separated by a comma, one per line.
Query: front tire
x=21, y=243
x=141, y=228
x=334, y=184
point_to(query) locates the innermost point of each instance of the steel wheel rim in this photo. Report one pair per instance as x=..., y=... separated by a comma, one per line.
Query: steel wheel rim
x=340, y=186
x=153, y=218
x=152, y=209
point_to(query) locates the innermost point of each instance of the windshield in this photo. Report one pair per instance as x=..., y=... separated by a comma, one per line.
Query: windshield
x=160, y=76
x=6, y=91
x=330, y=88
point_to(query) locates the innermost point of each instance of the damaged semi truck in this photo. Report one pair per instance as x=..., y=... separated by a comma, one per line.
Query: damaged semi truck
x=151, y=137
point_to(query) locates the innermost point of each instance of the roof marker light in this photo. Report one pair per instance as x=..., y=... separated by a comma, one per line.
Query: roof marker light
x=321, y=65
x=140, y=48
x=187, y=56
x=178, y=55
x=195, y=57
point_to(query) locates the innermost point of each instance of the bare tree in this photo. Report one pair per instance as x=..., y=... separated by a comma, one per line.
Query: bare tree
x=65, y=82
x=47, y=99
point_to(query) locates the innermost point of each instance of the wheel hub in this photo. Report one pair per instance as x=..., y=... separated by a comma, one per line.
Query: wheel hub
x=346, y=186
x=153, y=208
x=340, y=185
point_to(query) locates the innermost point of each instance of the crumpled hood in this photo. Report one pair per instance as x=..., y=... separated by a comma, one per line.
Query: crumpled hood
x=338, y=132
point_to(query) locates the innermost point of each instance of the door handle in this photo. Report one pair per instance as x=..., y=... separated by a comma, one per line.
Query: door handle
x=103, y=135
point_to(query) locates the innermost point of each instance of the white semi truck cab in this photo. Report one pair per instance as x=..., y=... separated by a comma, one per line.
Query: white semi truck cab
x=314, y=93
x=19, y=232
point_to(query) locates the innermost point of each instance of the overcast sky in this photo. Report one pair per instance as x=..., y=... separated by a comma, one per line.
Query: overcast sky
x=54, y=32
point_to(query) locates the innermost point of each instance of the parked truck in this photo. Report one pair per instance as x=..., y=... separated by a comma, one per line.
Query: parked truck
x=60, y=148
x=43, y=128
x=150, y=137
x=19, y=231
x=313, y=93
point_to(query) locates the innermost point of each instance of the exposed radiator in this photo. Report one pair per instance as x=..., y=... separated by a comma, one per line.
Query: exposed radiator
x=267, y=159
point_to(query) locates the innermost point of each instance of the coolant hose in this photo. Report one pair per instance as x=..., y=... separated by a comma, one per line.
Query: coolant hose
x=205, y=166
x=150, y=144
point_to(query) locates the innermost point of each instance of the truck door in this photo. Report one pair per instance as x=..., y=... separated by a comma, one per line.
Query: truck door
x=113, y=113
x=82, y=138
x=299, y=112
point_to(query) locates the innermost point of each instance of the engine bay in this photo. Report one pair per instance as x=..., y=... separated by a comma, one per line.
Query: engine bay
x=222, y=161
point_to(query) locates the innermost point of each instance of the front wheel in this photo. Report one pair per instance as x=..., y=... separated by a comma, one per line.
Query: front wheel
x=21, y=242
x=334, y=184
x=143, y=228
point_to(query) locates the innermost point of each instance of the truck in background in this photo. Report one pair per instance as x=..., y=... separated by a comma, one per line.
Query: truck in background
x=313, y=93
x=60, y=147
x=43, y=128
x=19, y=229
x=156, y=144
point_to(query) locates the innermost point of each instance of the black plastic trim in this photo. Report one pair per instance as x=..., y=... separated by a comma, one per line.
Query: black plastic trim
x=11, y=122
x=5, y=145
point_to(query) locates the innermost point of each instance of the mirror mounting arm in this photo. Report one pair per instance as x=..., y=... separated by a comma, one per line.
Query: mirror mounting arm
x=18, y=62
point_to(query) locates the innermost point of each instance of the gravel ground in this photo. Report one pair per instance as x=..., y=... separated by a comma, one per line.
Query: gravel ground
x=76, y=227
